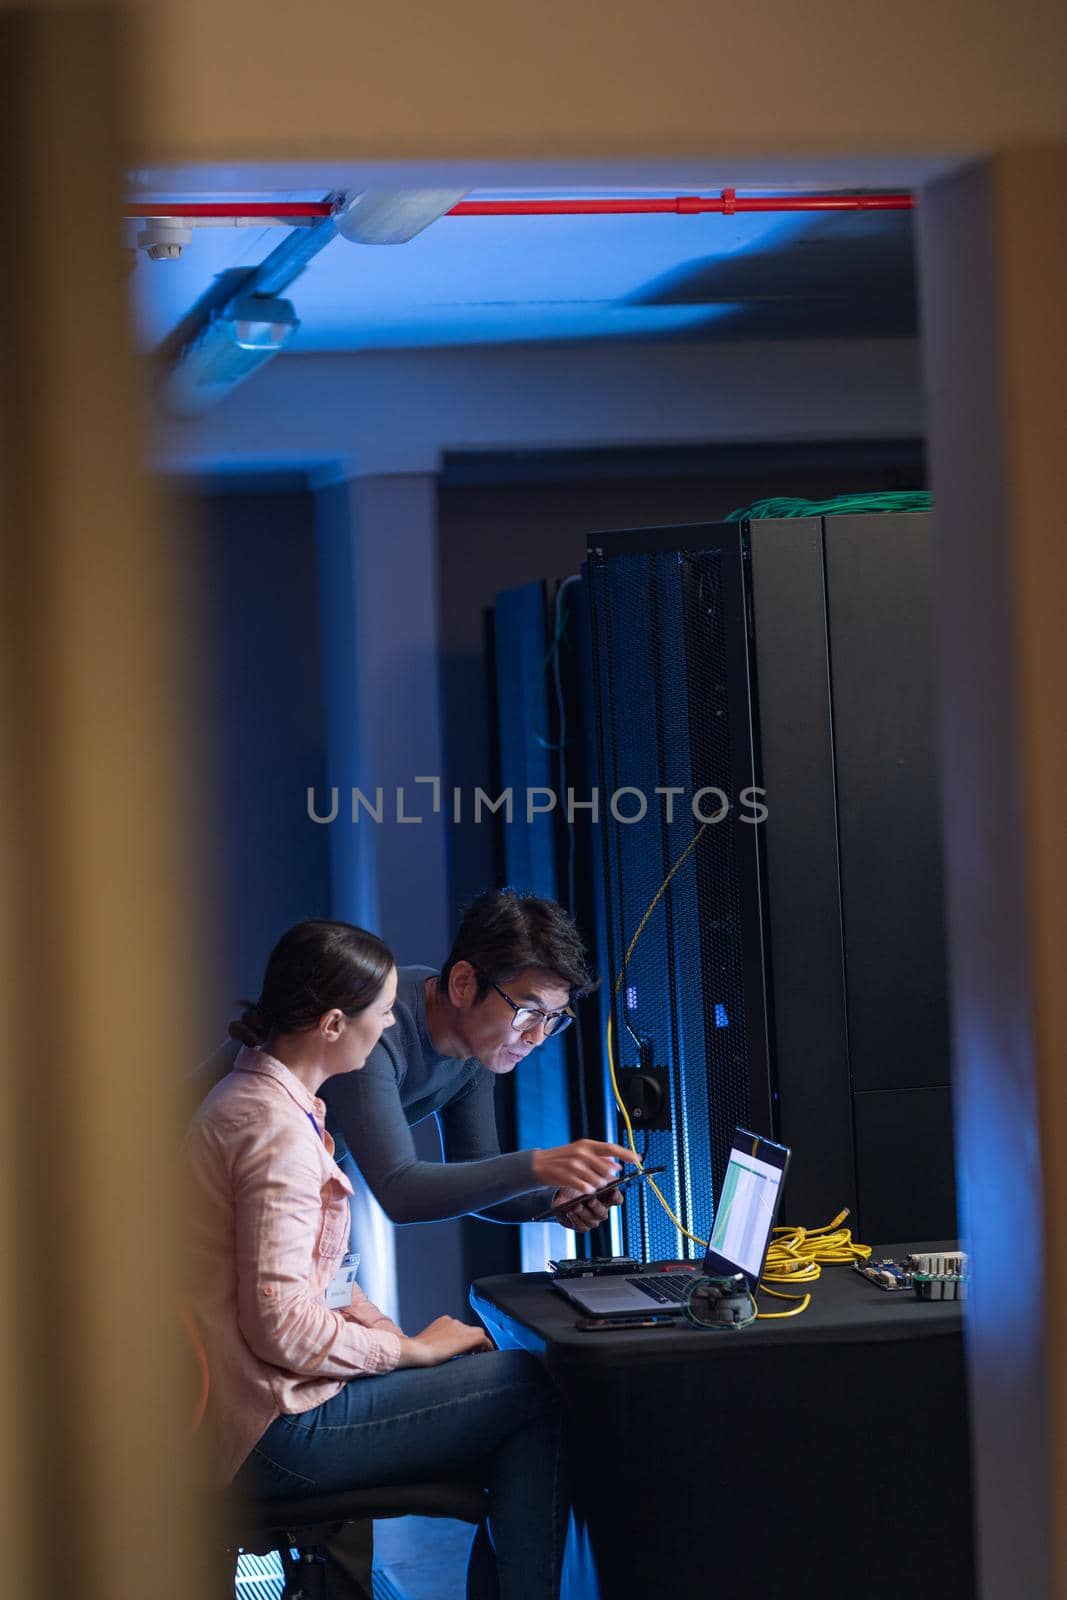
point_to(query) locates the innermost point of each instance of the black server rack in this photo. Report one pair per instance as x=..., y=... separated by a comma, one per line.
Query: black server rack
x=792, y=977
x=674, y=724
x=843, y=645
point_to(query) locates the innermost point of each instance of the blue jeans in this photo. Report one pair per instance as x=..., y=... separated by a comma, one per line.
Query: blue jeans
x=493, y=1417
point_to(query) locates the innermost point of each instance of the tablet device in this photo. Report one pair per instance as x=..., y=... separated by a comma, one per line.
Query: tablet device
x=597, y=1194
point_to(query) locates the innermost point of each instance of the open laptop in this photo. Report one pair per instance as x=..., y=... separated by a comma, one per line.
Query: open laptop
x=747, y=1210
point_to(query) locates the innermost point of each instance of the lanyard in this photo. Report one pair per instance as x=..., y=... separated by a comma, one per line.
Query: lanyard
x=314, y=1124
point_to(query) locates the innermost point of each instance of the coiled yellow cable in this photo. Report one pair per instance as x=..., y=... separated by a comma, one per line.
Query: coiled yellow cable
x=798, y=1255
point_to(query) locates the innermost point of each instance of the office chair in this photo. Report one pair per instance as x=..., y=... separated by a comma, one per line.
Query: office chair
x=297, y=1526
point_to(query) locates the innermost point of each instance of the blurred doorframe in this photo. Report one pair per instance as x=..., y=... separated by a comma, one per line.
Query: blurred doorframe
x=99, y=983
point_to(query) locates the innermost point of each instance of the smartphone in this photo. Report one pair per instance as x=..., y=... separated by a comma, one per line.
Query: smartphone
x=597, y=1194
x=620, y=1324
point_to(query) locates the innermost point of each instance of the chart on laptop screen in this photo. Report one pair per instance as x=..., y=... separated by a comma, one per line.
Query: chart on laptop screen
x=746, y=1210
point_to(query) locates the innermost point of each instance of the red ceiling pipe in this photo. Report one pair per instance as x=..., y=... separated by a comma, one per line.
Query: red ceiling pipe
x=728, y=203
x=234, y=208
x=684, y=204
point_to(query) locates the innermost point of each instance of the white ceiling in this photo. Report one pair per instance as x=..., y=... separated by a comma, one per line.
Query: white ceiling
x=478, y=281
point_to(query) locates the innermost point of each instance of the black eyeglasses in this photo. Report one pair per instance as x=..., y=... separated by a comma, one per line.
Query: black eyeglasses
x=526, y=1018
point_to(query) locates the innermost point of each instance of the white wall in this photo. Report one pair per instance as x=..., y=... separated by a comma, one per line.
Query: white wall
x=396, y=412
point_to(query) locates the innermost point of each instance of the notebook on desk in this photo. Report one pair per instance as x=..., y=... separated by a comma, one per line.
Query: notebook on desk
x=744, y=1217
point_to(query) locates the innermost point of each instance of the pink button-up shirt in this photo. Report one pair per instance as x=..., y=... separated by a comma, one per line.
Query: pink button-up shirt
x=268, y=1227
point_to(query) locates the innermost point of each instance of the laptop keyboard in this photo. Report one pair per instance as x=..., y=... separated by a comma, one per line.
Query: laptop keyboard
x=667, y=1288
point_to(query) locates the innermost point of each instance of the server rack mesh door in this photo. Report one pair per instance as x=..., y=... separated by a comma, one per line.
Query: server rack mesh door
x=525, y=738
x=672, y=702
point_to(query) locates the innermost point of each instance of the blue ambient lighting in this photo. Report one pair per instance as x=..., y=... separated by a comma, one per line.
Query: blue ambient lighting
x=476, y=281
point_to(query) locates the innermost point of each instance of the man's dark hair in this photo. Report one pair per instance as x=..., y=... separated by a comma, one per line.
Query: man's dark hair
x=502, y=932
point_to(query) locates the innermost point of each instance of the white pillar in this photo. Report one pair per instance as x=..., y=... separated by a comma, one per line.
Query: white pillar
x=378, y=577
x=377, y=540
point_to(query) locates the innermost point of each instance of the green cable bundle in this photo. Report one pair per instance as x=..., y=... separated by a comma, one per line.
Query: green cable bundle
x=785, y=506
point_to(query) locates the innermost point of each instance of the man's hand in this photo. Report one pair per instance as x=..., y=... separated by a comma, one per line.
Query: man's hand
x=582, y=1166
x=586, y=1214
x=443, y=1339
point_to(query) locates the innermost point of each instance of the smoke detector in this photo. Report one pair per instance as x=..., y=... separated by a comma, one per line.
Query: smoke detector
x=162, y=239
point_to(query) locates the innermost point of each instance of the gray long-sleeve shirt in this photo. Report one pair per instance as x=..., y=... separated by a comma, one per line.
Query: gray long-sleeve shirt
x=371, y=1113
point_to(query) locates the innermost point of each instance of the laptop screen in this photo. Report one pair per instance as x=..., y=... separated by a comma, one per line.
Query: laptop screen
x=748, y=1205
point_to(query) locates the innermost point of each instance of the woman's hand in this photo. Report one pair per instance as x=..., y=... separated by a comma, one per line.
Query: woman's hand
x=584, y=1165
x=443, y=1339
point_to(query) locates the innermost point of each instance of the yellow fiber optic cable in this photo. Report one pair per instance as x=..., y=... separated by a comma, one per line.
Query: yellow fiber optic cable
x=795, y=1255
x=774, y=1316
x=653, y=903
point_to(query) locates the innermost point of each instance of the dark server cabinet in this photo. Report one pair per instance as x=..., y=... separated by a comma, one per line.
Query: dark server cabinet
x=674, y=722
x=796, y=976
x=541, y=678
x=843, y=649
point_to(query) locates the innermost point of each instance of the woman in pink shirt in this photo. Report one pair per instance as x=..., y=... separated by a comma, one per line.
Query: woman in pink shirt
x=312, y=1387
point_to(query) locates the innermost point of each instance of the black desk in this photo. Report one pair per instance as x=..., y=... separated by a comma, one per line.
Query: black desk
x=826, y=1455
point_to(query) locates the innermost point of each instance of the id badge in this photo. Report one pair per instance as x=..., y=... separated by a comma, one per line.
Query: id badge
x=339, y=1289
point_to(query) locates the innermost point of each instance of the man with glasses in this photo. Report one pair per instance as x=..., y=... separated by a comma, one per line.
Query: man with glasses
x=515, y=970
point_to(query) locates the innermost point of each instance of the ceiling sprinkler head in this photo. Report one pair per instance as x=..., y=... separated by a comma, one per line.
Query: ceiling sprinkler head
x=163, y=240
